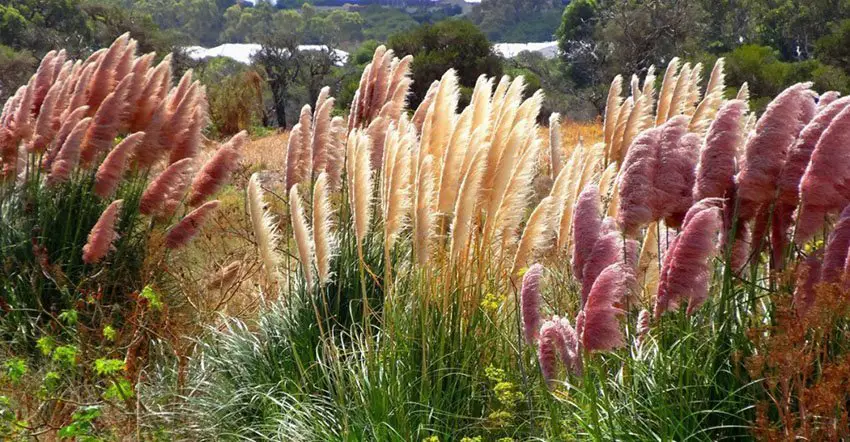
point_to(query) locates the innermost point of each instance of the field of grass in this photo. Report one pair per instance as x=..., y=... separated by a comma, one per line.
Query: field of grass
x=676, y=271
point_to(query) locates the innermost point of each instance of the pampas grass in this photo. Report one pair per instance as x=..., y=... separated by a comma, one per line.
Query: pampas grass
x=102, y=235
x=302, y=234
x=266, y=233
x=323, y=240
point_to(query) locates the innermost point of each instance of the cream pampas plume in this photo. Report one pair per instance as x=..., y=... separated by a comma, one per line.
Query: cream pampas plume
x=102, y=235
x=361, y=188
x=692, y=97
x=156, y=194
x=835, y=254
x=555, y=144
x=639, y=119
x=707, y=108
x=612, y=109
x=515, y=197
x=766, y=151
x=418, y=118
x=637, y=182
x=336, y=152
x=587, y=223
x=188, y=227
x=395, y=184
x=668, y=85
x=452, y=163
x=466, y=203
x=293, y=155
x=715, y=173
x=530, y=303
x=216, y=172
x=648, y=262
x=112, y=168
x=321, y=136
x=687, y=272
x=678, y=101
x=68, y=155
x=441, y=116
x=265, y=228
x=322, y=228
x=425, y=201
x=599, y=318
x=106, y=123
x=537, y=235
x=301, y=232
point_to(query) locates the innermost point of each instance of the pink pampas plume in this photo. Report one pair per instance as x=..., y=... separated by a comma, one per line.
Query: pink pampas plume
x=530, y=297
x=22, y=120
x=547, y=352
x=112, y=168
x=64, y=130
x=637, y=182
x=686, y=271
x=827, y=98
x=184, y=231
x=715, y=173
x=106, y=123
x=600, y=328
x=102, y=235
x=801, y=152
x=823, y=188
x=675, y=178
x=46, y=124
x=44, y=77
x=587, y=222
x=808, y=276
x=610, y=249
x=157, y=192
x=69, y=154
x=190, y=144
x=571, y=351
x=835, y=254
x=557, y=341
x=643, y=324
x=218, y=169
x=103, y=79
x=766, y=151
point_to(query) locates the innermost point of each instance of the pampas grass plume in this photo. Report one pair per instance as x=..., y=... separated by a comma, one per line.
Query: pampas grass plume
x=530, y=303
x=157, y=192
x=322, y=228
x=188, y=227
x=587, y=222
x=102, y=235
x=69, y=154
x=301, y=232
x=715, y=173
x=112, y=168
x=600, y=329
x=216, y=172
x=265, y=229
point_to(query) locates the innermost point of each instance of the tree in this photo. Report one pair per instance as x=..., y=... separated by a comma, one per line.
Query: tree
x=457, y=44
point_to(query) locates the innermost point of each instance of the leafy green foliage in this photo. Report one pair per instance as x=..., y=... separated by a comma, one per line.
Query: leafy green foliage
x=457, y=44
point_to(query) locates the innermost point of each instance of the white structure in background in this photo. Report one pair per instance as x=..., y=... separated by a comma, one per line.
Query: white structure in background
x=548, y=49
x=242, y=52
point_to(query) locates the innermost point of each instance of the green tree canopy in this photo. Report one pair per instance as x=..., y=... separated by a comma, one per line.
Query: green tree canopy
x=457, y=44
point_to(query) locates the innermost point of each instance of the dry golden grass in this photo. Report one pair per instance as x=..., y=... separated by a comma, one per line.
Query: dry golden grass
x=588, y=132
x=266, y=153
